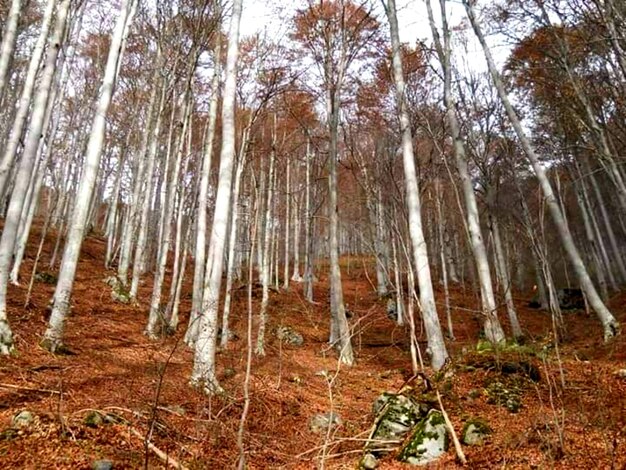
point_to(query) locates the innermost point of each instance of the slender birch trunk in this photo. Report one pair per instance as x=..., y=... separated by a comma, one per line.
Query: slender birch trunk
x=203, y=373
x=265, y=266
x=295, y=215
x=287, y=221
x=436, y=345
x=308, y=232
x=505, y=280
x=156, y=321
x=53, y=337
x=135, y=206
x=609, y=324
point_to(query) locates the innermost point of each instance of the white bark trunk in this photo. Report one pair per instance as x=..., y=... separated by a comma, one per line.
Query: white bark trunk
x=493, y=329
x=9, y=35
x=436, y=345
x=241, y=164
x=203, y=373
x=27, y=162
x=140, y=247
x=610, y=325
x=201, y=228
x=62, y=296
x=24, y=103
x=156, y=322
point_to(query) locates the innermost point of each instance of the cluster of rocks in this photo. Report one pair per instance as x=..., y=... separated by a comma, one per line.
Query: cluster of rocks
x=415, y=426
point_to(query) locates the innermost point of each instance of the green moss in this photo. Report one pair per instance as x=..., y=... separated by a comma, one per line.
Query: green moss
x=423, y=446
x=46, y=277
x=508, y=396
x=93, y=419
x=474, y=431
x=480, y=425
x=484, y=346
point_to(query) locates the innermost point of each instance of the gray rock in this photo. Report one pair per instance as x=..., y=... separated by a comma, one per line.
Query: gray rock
x=475, y=432
x=23, y=419
x=392, y=309
x=429, y=441
x=396, y=415
x=119, y=293
x=102, y=465
x=289, y=336
x=621, y=374
x=320, y=422
x=368, y=462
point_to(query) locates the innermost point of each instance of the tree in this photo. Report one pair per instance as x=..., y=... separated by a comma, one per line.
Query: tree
x=609, y=324
x=436, y=344
x=336, y=34
x=53, y=337
x=203, y=374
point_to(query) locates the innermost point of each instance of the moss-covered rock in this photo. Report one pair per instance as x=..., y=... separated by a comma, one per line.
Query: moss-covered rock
x=429, y=441
x=289, y=336
x=46, y=277
x=396, y=415
x=320, y=423
x=93, y=419
x=22, y=419
x=508, y=396
x=475, y=431
x=119, y=292
x=368, y=462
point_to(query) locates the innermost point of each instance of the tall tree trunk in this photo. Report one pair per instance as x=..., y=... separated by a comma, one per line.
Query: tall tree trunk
x=203, y=373
x=140, y=247
x=27, y=162
x=230, y=270
x=287, y=224
x=609, y=324
x=505, y=281
x=340, y=330
x=130, y=227
x=308, y=232
x=53, y=336
x=203, y=191
x=436, y=345
x=267, y=252
x=24, y=103
x=9, y=36
x=156, y=322
x=493, y=329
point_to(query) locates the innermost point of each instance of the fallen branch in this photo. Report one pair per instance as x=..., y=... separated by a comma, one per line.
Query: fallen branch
x=29, y=389
x=455, y=439
x=158, y=452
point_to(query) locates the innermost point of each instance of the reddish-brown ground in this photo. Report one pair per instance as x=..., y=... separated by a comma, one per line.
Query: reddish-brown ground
x=116, y=369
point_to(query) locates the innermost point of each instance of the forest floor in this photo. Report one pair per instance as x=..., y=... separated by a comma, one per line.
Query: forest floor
x=115, y=369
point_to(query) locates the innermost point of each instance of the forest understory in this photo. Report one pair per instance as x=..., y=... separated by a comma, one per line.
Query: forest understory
x=116, y=387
